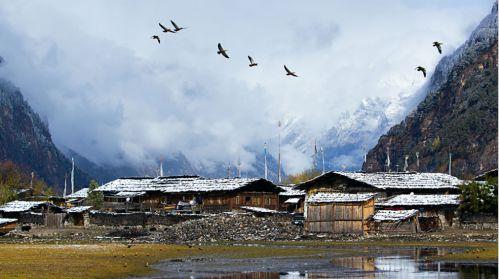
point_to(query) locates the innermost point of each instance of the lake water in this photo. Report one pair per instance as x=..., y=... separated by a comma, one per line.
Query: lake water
x=374, y=262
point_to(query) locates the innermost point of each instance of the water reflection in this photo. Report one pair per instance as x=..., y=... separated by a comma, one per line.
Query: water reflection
x=376, y=263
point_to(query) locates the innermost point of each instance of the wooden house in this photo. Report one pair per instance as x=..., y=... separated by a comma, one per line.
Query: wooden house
x=77, y=198
x=435, y=211
x=291, y=200
x=338, y=213
x=7, y=225
x=165, y=193
x=386, y=183
x=33, y=212
x=77, y=215
x=394, y=221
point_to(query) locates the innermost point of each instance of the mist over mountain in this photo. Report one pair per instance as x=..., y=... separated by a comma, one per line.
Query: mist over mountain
x=25, y=140
x=458, y=115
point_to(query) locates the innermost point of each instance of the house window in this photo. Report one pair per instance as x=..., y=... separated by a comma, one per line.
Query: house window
x=247, y=199
x=237, y=200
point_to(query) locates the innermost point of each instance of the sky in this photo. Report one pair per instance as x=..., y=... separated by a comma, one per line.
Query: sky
x=113, y=94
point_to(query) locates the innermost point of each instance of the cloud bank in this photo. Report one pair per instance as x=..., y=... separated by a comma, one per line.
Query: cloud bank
x=114, y=95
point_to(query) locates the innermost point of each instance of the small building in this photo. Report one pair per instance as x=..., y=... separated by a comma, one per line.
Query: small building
x=338, y=213
x=165, y=193
x=291, y=200
x=7, y=225
x=77, y=215
x=77, y=198
x=394, y=221
x=33, y=212
x=435, y=211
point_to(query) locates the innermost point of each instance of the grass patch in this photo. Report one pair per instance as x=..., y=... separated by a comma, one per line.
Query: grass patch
x=114, y=260
x=485, y=253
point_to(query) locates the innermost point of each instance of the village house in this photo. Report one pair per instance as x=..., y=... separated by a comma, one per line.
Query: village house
x=435, y=211
x=77, y=198
x=385, y=185
x=166, y=193
x=394, y=221
x=33, y=212
x=7, y=225
x=78, y=215
x=338, y=213
x=291, y=200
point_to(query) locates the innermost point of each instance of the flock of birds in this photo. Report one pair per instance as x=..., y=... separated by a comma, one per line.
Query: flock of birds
x=252, y=63
x=436, y=44
x=221, y=50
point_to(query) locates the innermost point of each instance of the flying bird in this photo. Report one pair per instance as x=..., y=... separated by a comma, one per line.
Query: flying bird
x=421, y=69
x=438, y=46
x=289, y=73
x=165, y=30
x=176, y=26
x=222, y=51
x=156, y=37
x=252, y=63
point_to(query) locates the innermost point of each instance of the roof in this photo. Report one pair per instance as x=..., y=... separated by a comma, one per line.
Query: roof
x=182, y=184
x=322, y=197
x=78, y=209
x=126, y=194
x=80, y=194
x=395, y=180
x=20, y=206
x=259, y=209
x=7, y=220
x=485, y=175
x=393, y=215
x=290, y=191
x=292, y=200
x=418, y=200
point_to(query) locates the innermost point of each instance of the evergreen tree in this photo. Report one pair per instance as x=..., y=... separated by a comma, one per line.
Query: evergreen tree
x=95, y=198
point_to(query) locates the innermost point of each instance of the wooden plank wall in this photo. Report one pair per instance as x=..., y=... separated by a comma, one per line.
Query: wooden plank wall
x=339, y=217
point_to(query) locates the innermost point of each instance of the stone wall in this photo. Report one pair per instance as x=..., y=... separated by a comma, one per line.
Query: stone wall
x=137, y=218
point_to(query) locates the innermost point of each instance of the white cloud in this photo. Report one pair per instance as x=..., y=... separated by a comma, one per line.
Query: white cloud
x=110, y=92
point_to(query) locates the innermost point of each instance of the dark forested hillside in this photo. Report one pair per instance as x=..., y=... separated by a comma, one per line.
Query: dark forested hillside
x=458, y=116
x=26, y=141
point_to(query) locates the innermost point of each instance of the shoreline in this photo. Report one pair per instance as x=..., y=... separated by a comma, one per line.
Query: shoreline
x=122, y=259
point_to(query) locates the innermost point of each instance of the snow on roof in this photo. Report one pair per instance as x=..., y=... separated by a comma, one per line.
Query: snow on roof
x=323, y=197
x=404, y=180
x=78, y=209
x=80, y=194
x=290, y=191
x=292, y=200
x=393, y=215
x=175, y=184
x=126, y=194
x=408, y=200
x=7, y=220
x=400, y=180
x=20, y=206
x=260, y=209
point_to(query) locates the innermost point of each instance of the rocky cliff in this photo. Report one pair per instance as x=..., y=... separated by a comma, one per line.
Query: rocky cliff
x=458, y=115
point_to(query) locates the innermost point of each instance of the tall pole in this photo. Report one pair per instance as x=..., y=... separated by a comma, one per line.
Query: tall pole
x=450, y=163
x=72, y=176
x=405, y=163
x=279, y=157
x=31, y=181
x=265, y=160
x=417, y=160
x=388, y=158
x=161, y=168
x=239, y=167
x=65, y=184
x=323, y=165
